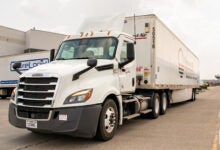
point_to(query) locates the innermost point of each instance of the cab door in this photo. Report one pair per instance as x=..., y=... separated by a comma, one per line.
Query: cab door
x=127, y=67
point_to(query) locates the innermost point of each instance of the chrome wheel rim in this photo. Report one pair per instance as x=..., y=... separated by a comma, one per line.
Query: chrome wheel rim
x=109, y=120
x=157, y=105
x=164, y=103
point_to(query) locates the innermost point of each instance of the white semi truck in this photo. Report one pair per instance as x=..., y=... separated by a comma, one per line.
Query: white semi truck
x=9, y=77
x=99, y=79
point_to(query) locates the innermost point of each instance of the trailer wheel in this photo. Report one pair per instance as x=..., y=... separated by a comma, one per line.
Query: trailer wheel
x=193, y=95
x=163, y=103
x=108, y=121
x=4, y=97
x=155, y=106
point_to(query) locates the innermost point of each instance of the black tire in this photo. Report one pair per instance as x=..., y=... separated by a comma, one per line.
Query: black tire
x=155, y=106
x=109, y=112
x=169, y=98
x=193, y=95
x=163, y=103
x=4, y=97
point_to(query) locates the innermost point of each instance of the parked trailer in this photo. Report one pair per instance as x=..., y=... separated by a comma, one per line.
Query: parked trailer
x=8, y=76
x=164, y=61
x=100, y=79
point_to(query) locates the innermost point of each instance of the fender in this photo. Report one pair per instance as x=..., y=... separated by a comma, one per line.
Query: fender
x=119, y=100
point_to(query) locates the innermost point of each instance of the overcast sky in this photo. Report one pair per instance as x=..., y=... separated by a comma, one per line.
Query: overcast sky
x=195, y=22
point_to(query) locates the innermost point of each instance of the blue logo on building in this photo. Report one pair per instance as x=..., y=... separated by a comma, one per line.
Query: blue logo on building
x=28, y=64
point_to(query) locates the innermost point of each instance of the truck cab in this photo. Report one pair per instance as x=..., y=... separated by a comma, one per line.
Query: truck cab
x=80, y=92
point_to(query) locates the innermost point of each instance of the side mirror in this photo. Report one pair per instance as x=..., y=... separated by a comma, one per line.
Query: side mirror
x=16, y=67
x=130, y=55
x=92, y=62
x=130, y=51
x=52, y=54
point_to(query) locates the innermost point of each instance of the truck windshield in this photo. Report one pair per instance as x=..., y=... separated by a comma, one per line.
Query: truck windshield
x=99, y=48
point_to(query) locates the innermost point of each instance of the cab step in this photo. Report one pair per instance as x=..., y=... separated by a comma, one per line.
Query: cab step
x=136, y=98
x=146, y=111
x=129, y=100
x=140, y=97
x=131, y=116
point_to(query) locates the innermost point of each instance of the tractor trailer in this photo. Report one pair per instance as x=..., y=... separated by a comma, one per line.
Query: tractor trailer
x=99, y=79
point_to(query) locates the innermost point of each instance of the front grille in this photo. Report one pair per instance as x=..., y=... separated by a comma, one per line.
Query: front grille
x=46, y=80
x=35, y=95
x=37, y=92
x=33, y=113
x=34, y=102
x=38, y=88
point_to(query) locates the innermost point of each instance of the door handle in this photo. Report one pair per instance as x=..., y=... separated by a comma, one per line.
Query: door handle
x=123, y=69
x=132, y=81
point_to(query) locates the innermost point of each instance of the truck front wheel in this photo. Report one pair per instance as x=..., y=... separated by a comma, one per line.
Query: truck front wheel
x=108, y=121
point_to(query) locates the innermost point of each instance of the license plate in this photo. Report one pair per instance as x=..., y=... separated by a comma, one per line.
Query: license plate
x=31, y=124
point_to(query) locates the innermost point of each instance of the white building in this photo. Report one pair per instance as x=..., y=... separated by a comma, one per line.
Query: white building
x=13, y=41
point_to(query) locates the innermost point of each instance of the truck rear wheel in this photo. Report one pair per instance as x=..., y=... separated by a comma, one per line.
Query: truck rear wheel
x=108, y=121
x=163, y=103
x=155, y=106
x=193, y=95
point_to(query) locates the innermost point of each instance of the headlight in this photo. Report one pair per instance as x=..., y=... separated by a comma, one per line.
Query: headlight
x=13, y=94
x=79, y=97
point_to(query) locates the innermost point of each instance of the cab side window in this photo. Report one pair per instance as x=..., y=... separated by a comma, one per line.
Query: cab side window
x=123, y=56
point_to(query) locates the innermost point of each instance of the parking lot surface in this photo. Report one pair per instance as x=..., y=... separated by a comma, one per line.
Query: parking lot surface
x=185, y=126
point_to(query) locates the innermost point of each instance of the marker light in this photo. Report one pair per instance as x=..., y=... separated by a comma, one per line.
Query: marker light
x=147, y=28
x=81, y=34
x=109, y=32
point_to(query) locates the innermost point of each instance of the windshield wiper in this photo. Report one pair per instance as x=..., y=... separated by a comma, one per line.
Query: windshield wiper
x=60, y=59
x=64, y=58
x=82, y=58
x=72, y=58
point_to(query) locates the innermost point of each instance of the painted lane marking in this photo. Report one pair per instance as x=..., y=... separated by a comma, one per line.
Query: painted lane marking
x=216, y=141
x=218, y=137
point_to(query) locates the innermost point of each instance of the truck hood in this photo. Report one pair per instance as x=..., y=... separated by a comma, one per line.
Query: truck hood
x=63, y=67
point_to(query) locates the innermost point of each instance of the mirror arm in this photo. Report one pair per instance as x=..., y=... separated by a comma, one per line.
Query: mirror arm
x=16, y=66
x=18, y=71
x=91, y=64
x=76, y=75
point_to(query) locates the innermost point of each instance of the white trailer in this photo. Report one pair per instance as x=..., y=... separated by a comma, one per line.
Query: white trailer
x=99, y=79
x=9, y=77
x=164, y=61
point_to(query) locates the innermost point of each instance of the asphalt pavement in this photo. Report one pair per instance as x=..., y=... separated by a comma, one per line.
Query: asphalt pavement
x=185, y=126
